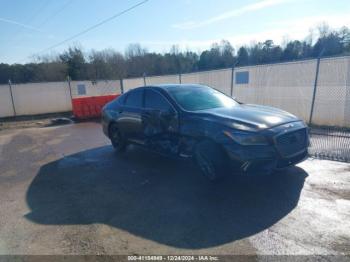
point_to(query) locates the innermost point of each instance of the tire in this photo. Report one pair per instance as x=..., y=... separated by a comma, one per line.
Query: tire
x=117, y=139
x=211, y=160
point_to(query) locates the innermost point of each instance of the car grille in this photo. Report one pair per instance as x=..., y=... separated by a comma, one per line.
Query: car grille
x=292, y=143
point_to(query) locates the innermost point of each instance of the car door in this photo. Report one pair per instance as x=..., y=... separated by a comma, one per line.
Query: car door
x=130, y=116
x=159, y=121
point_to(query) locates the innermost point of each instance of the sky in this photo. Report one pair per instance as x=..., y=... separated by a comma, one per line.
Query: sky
x=30, y=27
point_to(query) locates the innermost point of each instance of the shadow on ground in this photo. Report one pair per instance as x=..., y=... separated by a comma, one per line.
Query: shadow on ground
x=160, y=199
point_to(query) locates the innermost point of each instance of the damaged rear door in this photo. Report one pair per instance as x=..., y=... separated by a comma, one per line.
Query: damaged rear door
x=129, y=120
x=159, y=123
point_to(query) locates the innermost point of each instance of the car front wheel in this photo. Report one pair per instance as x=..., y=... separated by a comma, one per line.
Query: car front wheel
x=211, y=160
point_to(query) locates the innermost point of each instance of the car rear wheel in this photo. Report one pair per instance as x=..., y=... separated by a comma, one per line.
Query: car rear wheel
x=211, y=160
x=117, y=139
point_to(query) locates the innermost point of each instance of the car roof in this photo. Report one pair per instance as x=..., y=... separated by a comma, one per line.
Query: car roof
x=167, y=87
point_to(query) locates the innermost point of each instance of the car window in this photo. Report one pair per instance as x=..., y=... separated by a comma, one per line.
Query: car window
x=194, y=98
x=154, y=100
x=121, y=99
x=134, y=98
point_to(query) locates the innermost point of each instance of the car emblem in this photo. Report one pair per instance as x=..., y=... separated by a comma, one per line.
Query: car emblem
x=289, y=125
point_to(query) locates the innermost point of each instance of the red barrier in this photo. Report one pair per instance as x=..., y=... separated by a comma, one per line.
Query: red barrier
x=90, y=107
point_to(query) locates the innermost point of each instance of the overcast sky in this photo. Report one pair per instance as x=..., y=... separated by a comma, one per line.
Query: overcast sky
x=28, y=27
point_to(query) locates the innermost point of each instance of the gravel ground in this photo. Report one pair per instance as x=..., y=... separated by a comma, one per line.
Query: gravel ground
x=64, y=191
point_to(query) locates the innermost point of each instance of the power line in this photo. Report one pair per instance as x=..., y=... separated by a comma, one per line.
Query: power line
x=31, y=18
x=40, y=10
x=57, y=12
x=94, y=26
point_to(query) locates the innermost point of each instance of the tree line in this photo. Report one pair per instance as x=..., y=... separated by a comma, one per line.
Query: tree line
x=137, y=61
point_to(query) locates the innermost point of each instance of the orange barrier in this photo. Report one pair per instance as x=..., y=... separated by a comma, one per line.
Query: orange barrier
x=90, y=107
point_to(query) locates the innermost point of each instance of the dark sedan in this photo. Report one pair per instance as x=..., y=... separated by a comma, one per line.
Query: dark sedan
x=196, y=121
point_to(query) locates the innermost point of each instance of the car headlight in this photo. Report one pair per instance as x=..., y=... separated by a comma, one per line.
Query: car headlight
x=245, y=138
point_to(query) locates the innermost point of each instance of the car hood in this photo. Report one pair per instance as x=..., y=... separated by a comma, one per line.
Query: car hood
x=254, y=116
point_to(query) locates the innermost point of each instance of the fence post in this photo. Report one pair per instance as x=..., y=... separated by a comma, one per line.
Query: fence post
x=12, y=100
x=315, y=86
x=70, y=88
x=144, y=79
x=232, y=76
x=121, y=85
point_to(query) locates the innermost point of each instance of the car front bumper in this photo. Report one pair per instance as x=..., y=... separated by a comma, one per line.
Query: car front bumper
x=264, y=159
x=281, y=153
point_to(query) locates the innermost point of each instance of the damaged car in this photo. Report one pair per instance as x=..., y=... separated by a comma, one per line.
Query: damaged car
x=199, y=122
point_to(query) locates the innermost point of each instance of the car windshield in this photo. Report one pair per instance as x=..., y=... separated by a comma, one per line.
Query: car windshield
x=194, y=98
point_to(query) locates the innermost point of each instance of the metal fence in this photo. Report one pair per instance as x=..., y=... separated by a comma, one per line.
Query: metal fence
x=316, y=90
x=331, y=143
x=331, y=99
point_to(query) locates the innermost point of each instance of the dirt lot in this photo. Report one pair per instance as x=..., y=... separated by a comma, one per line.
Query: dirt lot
x=45, y=120
x=64, y=191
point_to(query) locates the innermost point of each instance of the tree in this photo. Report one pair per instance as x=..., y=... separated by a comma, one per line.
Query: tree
x=75, y=61
x=331, y=44
x=255, y=54
x=5, y=73
x=227, y=53
x=219, y=56
x=344, y=34
x=242, y=56
x=270, y=52
x=50, y=71
x=109, y=64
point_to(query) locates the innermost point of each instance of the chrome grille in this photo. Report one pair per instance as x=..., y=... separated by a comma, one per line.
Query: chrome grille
x=291, y=143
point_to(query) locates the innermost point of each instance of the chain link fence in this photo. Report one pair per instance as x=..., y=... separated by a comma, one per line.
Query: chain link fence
x=94, y=88
x=330, y=113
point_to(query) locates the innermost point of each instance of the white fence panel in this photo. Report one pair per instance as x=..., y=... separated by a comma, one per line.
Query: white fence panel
x=332, y=102
x=41, y=98
x=219, y=79
x=168, y=79
x=6, y=108
x=132, y=83
x=288, y=86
